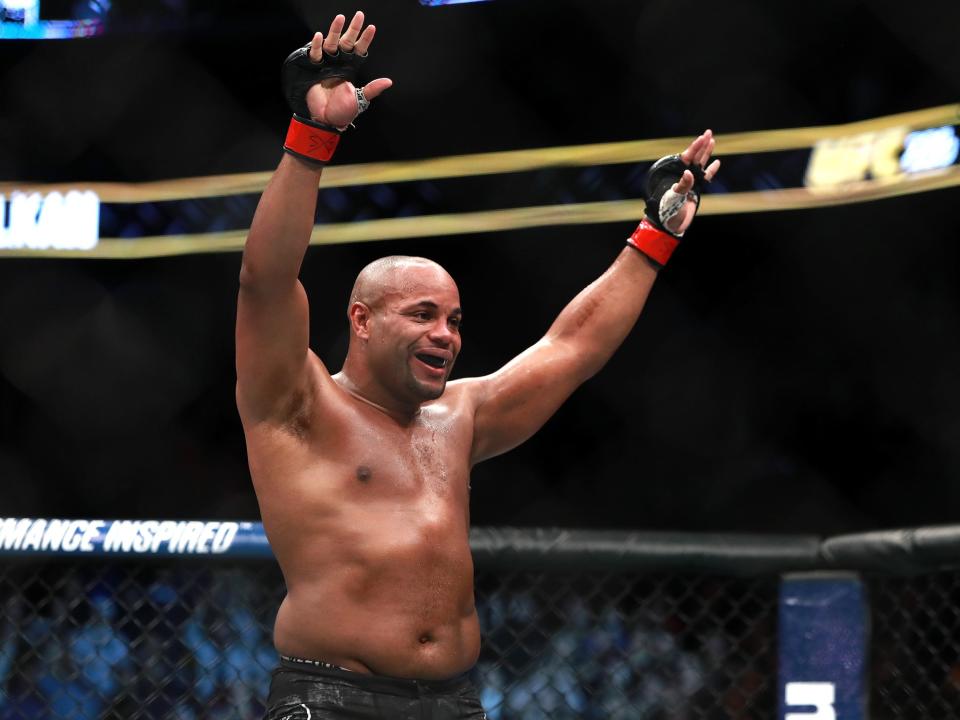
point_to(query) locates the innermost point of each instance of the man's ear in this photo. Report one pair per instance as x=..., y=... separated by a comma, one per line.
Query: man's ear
x=360, y=317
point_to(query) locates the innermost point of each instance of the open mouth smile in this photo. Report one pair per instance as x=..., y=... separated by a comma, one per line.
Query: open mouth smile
x=435, y=362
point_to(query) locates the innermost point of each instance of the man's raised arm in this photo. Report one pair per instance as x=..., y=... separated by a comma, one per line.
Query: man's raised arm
x=514, y=402
x=272, y=314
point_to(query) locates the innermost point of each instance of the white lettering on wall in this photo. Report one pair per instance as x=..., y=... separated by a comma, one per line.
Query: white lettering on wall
x=31, y=221
x=820, y=696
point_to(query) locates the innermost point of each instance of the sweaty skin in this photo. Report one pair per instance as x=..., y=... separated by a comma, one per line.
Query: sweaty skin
x=366, y=505
x=368, y=518
x=363, y=476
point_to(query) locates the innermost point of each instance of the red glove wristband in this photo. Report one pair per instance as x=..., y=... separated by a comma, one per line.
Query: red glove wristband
x=311, y=141
x=655, y=244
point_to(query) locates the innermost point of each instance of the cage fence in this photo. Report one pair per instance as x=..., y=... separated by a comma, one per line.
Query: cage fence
x=915, y=646
x=121, y=638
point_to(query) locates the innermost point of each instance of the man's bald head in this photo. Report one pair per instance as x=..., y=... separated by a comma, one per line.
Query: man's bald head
x=404, y=330
x=394, y=274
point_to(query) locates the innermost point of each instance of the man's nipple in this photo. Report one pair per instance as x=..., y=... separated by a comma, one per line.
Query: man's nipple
x=364, y=473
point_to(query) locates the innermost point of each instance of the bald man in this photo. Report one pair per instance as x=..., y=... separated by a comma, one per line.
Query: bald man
x=363, y=476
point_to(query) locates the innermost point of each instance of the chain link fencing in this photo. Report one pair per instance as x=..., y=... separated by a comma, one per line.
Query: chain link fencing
x=120, y=641
x=915, y=646
x=190, y=639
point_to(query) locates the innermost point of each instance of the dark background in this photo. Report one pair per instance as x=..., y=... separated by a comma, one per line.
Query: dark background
x=793, y=371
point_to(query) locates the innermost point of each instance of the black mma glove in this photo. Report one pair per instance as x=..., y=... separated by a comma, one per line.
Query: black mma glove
x=652, y=237
x=300, y=74
x=307, y=139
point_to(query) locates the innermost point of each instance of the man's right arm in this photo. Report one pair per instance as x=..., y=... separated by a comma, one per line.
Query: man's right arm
x=272, y=313
x=272, y=331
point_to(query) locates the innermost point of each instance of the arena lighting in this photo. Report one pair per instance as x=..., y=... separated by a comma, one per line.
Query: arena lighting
x=437, y=3
x=23, y=20
x=929, y=149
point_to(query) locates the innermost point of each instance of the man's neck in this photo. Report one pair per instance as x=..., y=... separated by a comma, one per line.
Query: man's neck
x=376, y=398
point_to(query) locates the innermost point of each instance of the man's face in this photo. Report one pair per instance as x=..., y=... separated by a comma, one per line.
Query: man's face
x=415, y=335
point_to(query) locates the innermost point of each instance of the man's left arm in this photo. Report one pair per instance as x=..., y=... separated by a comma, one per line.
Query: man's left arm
x=515, y=401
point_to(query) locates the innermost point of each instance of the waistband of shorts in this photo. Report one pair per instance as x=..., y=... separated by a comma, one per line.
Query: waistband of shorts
x=380, y=683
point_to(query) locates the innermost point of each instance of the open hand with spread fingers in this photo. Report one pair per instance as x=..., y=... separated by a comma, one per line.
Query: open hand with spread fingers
x=320, y=79
x=336, y=100
x=673, y=195
x=321, y=87
x=697, y=155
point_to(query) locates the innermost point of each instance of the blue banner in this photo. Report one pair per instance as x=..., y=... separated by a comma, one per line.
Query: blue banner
x=823, y=647
x=41, y=536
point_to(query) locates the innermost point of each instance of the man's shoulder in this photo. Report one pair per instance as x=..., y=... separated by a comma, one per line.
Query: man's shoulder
x=461, y=391
x=457, y=398
x=460, y=399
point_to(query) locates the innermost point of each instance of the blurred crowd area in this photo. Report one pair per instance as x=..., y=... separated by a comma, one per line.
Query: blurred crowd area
x=624, y=648
x=194, y=644
x=120, y=649
x=88, y=642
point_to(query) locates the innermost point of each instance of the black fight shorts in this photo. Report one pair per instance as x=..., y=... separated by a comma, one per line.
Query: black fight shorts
x=306, y=690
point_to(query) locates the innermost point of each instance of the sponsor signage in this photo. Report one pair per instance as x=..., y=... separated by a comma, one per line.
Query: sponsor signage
x=55, y=221
x=25, y=536
x=886, y=154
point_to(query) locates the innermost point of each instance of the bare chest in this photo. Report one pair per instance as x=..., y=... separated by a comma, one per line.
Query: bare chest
x=430, y=457
x=362, y=475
